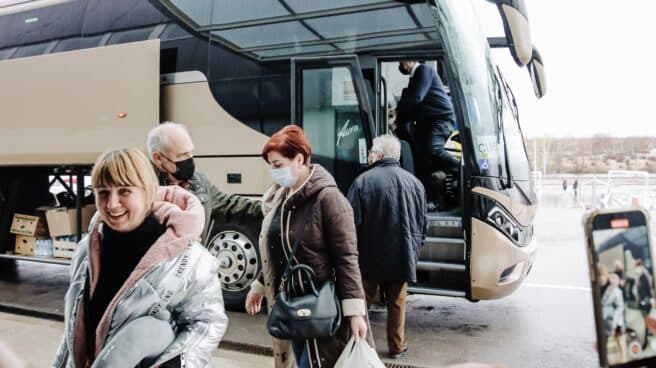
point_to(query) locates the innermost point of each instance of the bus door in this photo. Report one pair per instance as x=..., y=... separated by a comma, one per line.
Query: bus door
x=330, y=102
x=392, y=83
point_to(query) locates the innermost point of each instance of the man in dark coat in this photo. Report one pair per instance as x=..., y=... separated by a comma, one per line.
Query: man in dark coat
x=389, y=206
x=426, y=102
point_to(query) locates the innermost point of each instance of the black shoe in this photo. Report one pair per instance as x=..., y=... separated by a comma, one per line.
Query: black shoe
x=399, y=355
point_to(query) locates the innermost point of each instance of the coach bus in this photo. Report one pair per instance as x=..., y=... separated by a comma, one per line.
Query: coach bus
x=79, y=76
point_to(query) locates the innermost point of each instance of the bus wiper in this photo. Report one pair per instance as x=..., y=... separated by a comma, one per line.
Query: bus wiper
x=509, y=180
x=513, y=101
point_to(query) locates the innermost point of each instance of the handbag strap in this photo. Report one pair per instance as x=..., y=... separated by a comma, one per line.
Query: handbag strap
x=288, y=267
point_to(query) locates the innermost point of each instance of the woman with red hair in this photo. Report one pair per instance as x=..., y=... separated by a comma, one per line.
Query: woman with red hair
x=328, y=244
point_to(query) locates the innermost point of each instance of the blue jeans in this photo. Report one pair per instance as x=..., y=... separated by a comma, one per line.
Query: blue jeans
x=301, y=353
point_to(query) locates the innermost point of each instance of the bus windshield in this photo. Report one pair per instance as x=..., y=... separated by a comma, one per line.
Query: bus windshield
x=473, y=71
x=515, y=149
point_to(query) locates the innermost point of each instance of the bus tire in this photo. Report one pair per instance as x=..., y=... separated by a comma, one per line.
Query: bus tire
x=236, y=247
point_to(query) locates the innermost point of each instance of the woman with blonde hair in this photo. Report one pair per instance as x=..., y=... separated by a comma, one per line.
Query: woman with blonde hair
x=304, y=207
x=143, y=290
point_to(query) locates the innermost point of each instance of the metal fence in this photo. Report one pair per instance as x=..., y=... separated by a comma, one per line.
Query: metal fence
x=610, y=190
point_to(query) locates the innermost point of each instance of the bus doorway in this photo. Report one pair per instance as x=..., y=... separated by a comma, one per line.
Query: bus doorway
x=330, y=102
x=441, y=269
x=443, y=194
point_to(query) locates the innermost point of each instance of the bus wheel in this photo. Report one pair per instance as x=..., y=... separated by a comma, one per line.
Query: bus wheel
x=237, y=250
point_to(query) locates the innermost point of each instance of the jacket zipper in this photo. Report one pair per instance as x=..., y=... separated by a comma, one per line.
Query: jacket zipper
x=129, y=293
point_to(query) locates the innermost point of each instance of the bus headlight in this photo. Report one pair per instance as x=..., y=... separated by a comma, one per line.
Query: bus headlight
x=506, y=224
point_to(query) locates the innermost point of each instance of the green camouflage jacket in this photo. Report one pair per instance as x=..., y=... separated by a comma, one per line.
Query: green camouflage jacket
x=223, y=207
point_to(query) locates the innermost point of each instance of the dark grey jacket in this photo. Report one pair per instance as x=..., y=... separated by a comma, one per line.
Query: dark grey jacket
x=389, y=205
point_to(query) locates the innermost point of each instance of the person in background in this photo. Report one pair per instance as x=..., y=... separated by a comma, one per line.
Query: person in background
x=171, y=152
x=612, y=310
x=565, y=201
x=142, y=259
x=389, y=205
x=328, y=245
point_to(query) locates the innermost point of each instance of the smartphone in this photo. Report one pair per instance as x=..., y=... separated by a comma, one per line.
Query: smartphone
x=622, y=276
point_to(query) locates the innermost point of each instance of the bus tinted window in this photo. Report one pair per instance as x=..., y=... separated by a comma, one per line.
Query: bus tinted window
x=77, y=43
x=31, y=50
x=6, y=53
x=362, y=23
x=242, y=10
x=199, y=11
x=131, y=35
x=174, y=32
x=304, y=6
x=268, y=34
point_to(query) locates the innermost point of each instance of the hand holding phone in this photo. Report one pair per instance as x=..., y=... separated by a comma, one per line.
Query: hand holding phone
x=622, y=276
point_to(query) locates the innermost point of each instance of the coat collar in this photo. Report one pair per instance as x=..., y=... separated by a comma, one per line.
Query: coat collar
x=381, y=163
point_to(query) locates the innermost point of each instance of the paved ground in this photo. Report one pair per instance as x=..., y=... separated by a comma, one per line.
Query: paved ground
x=547, y=323
x=35, y=340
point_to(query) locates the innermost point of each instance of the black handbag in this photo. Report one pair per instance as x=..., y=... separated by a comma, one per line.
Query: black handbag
x=315, y=314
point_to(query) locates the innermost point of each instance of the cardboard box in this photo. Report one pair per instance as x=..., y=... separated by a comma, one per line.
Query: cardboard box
x=87, y=213
x=28, y=225
x=26, y=245
x=63, y=247
x=62, y=221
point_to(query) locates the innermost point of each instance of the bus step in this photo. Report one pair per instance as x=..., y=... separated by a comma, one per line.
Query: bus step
x=446, y=225
x=435, y=291
x=441, y=276
x=440, y=266
x=444, y=249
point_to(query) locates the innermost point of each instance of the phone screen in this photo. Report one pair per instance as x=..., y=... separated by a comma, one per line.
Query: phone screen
x=624, y=270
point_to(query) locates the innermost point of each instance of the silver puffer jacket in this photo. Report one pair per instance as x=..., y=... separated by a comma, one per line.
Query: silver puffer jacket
x=176, y=275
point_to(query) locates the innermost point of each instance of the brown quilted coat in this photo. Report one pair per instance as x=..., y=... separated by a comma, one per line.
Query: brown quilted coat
x=329, y=246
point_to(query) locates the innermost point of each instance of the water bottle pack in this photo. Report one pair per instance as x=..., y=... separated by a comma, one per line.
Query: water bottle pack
x=43, y=248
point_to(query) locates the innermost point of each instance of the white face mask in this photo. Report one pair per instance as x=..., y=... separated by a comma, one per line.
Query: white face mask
x=284, y=177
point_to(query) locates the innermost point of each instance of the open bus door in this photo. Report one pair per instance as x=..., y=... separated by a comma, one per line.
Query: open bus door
x=330, y=102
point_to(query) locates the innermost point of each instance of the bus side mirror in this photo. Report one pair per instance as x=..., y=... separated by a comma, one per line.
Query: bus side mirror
x=538, y=77
x=516, y=28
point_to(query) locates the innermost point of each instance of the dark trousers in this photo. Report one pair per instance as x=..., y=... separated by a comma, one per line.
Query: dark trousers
x=301, y=353
x=428, y=150
x=395, y=297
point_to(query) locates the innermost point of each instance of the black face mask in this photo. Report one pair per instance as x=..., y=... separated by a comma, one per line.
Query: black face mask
x=403, y=70
x=184, y=169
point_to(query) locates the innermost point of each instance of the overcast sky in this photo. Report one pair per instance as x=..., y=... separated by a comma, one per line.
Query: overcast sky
x=600, y=65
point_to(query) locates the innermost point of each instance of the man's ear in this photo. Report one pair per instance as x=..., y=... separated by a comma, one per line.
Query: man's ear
x=157, y=158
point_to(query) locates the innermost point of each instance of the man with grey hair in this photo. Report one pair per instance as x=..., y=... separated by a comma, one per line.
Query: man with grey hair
x=171, y=151
x=389, y=206
x=385, y=146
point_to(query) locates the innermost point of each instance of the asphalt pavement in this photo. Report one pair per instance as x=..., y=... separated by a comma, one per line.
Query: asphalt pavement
x=548, y=322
